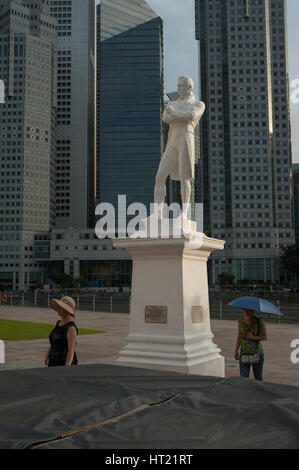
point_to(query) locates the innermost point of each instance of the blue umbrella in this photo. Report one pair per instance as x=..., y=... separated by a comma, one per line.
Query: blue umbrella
x=259, y=305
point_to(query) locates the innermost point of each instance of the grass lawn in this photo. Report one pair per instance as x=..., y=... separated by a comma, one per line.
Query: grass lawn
x=13, y=330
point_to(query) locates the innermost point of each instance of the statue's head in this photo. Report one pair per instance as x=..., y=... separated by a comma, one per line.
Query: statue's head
x=185, y=86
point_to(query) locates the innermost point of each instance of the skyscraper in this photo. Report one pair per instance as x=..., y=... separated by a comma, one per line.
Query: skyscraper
x=296, y=200
x=246, y=156
x=130, y=100
x=28, y=48
x=75, y=197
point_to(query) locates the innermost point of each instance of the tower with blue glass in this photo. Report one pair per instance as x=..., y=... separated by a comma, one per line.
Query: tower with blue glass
x=130, y=100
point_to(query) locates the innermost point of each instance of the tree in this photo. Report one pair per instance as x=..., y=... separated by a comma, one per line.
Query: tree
x=290, y=260
x=78, y=280
x=61, y=279
x=64, y=280
x=226, y=278
x=244, y=282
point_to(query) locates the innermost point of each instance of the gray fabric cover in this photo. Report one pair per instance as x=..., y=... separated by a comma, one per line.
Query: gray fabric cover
x=188, y=412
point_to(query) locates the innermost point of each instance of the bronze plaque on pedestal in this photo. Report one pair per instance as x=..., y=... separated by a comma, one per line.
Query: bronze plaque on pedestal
x=155, y=314
x=197, y=314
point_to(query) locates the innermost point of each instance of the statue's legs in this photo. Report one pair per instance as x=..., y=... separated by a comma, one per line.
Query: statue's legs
x=168, y=160
x=185, y=195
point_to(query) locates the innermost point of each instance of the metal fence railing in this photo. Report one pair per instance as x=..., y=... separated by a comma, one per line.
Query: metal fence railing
x=114, y=303
x=226, y=312
x=286, y=303
x=120, y=303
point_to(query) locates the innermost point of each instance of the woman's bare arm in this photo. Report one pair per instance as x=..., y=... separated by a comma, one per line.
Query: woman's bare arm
x=263, y=334
x=238, y=344
x=47, y=356
x=263, y=337
x=71, y=341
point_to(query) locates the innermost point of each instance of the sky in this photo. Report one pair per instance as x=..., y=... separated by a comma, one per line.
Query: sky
x=181, y=49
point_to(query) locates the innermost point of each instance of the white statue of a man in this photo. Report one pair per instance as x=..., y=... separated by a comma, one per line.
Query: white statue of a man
x=178, y=160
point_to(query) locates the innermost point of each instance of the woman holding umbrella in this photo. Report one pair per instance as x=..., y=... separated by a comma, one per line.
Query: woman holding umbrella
x=251, y=332
x=249, y=351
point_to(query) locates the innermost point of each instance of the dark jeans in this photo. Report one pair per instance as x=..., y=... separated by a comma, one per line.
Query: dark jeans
x=257, y=368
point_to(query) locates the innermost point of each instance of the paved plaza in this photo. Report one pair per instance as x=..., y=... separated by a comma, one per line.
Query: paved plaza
x=104, y=348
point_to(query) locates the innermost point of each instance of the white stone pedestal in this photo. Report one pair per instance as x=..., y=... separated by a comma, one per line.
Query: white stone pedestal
x=170, y=316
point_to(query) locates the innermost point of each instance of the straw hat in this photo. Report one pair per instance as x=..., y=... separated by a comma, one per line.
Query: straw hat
x=67, y=303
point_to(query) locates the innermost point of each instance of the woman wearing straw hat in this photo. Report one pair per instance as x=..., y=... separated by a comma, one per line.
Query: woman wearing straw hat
x=64, y=336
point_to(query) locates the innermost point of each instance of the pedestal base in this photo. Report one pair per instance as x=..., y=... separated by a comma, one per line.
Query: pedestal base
x=198, y=355
x=170, y=317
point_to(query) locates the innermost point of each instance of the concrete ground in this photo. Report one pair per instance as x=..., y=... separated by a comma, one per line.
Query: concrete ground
x=104, y=348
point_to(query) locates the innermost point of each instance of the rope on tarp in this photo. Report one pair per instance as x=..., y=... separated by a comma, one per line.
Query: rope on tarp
x=103, y=422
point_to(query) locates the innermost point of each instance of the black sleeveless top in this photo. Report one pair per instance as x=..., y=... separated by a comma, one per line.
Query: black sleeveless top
x=59, y=345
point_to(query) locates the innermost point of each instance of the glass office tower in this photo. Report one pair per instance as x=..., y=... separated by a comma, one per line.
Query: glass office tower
x=76, y=136
x=246, y=160
x=28, y=58
x=130, y=101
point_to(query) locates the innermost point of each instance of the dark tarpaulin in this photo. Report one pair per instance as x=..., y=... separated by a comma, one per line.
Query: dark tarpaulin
x=130, y=408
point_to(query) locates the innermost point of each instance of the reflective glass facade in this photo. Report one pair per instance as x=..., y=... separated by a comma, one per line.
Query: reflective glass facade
x=131, y=97
x=246, y=160
x=28, y=50
x=108, y=273
x=75, y=149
